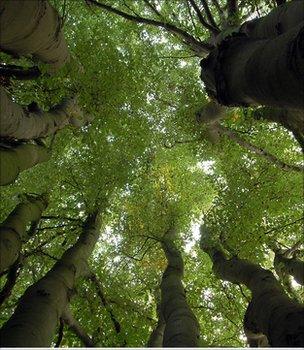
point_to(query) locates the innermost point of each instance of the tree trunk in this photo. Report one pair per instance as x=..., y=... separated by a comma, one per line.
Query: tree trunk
x=270, y=312
x=248, y=72
x=76, y=328
x=291, y=266
x=182, y=328
x=157, y=335
x=34, y=322
x=19, y=123
x=13, y=228
x=278, y=21
x=14, y=160
x=33, y=27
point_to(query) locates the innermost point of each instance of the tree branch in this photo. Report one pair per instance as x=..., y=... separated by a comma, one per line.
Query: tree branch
x=259, y=151
x=280, y=227
x=93, y=278
x=204, y=23
x=60, y=334
x=153, y=8
x=200, y=48
x=232, y=7
x=209, y=14
x=76, y=328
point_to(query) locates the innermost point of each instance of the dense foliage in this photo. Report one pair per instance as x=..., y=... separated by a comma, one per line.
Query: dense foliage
x=147, y=162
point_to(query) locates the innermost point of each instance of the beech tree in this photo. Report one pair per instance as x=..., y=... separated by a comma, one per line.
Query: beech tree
x=34, y=322
x=35, y=29
x=21, y=123
x=270, y=311
x=163, y=154
x=13, y=229
x=181, y=326
x=233, y=71
x=19, y=158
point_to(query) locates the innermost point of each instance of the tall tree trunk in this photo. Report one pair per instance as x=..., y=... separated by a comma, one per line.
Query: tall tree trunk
x=270, y=312
x=20, y=123
x=13, y=229
x=248, y=72
x=291, y=266
x=36, y=317
x=14, y=160
x=278, y=21
x=182, y=328
x=157, y=336
x=33, y=27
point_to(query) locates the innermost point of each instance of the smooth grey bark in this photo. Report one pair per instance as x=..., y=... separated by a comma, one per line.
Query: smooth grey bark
x=242, y=71
x=76, y=328
x=14, y=160
x=33, y=27
x=182, y=328
x=20, y=123
x=13, y=229
x=36, y=317
x=270, y=312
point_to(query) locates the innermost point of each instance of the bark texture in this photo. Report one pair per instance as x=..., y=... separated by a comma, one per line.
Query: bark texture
x=20, y=123
x=291, y=266
x=33, y=27
x=270, y=312
x=182, y=328
x=278, y=21
x=13, y=229
x=36, y=317
x=14, y=160
x=243, y=71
